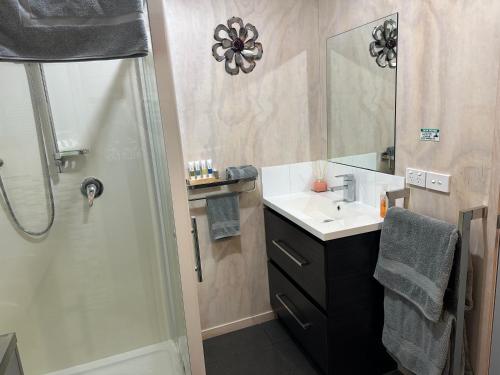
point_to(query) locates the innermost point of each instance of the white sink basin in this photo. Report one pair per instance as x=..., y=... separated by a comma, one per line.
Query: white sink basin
x=324, y=216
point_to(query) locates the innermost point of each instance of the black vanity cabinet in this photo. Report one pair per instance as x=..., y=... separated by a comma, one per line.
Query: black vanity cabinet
x=325, y=294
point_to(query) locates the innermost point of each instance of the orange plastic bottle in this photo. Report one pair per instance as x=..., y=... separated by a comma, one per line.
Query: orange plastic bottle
x=383, y=203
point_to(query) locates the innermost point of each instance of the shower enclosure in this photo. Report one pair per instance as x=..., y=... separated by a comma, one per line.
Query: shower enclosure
x=100, y=292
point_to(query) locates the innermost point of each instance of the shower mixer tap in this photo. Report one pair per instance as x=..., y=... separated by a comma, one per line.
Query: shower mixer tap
x=91, y=188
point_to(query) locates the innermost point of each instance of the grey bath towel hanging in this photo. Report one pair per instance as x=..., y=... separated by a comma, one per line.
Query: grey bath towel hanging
x=414, y=265
x=72, y=30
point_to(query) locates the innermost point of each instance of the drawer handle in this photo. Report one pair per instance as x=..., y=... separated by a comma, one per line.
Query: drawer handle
x=279, y=297
x=301, y=262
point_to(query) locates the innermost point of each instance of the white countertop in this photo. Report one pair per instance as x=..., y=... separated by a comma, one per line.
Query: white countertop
x=321, y=215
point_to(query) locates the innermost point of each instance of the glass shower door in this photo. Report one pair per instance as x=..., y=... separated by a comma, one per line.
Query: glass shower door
x=100, y=294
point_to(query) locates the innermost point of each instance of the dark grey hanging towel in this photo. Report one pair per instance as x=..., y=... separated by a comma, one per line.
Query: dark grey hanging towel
x=223, y=213
x=72, y=30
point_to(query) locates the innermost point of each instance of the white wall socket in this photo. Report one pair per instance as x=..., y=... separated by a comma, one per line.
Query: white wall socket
x=438, y=182
x=416, y=177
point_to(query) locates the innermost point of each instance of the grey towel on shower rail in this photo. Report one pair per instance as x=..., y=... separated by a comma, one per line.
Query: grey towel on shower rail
x=72, y=30
x=223, y=212
x=415, y=262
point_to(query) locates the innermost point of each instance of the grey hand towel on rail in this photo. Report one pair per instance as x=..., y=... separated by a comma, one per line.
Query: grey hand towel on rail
x=416, y=258
x=223, y=212
x=418, y=344
x=72, y=30
x=243, y=172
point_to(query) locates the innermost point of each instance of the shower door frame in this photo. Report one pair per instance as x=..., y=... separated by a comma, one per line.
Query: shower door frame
x=173, y=145
x=491, y=344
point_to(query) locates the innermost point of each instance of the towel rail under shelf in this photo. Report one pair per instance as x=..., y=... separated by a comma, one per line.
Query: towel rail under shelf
x=251, y=190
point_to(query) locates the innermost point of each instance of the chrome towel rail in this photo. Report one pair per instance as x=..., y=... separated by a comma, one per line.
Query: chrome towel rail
x=392, y=196
x=250, y=190
x=464, y=224
x=461, y=266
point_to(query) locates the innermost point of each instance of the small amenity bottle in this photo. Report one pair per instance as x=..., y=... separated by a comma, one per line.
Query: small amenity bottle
x=384, y=202
x=210, y=168
x=192, y=173
x=197, y=169
x=204, y=169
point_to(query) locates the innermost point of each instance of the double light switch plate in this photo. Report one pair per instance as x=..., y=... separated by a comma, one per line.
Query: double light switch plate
x=430, y=180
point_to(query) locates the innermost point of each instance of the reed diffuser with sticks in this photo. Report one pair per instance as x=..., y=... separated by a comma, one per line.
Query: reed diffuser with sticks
x=319, y=170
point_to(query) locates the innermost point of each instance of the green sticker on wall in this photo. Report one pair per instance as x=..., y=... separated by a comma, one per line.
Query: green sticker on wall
x=429, y=135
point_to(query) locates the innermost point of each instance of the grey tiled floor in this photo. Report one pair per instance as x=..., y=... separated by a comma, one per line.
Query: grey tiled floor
x=266, y=349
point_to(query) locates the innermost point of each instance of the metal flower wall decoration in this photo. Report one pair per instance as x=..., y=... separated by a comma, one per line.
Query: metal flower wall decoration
x=237, y=45
x=385, y=46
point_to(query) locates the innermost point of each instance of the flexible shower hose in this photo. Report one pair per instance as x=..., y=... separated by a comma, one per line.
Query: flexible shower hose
x=45, y=168
x=52, y=213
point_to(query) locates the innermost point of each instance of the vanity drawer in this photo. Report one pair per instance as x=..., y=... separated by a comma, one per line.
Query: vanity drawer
x=299, y=255
x=306, y=323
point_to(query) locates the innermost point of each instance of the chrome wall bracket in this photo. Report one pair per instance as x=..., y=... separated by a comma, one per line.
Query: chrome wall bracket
x=61, y=157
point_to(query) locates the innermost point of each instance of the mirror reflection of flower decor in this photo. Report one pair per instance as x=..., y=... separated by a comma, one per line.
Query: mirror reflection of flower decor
x=385, y=46
x=237, y=45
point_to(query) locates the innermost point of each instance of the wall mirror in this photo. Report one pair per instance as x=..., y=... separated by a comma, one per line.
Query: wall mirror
x=361, y=95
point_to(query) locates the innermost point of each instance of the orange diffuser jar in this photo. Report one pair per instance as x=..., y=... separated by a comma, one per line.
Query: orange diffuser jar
x=320, y=185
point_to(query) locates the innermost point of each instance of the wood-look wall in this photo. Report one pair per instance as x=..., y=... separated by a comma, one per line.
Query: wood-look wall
x=268, y=117
x=449, y=56
x=449, y=59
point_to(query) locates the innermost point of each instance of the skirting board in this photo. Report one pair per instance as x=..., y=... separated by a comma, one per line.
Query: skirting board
x=238, y=324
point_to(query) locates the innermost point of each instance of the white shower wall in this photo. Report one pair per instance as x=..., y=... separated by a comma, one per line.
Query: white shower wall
x=93, y=287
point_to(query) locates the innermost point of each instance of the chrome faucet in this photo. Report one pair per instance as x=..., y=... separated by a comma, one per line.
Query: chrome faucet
x=349, y=187
x=91, y=188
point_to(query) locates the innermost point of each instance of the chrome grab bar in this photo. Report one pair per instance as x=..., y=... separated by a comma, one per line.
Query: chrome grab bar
x=279, y=297
x=300, y=262
x=464, y=224
x=197, y=256
x=392, y=196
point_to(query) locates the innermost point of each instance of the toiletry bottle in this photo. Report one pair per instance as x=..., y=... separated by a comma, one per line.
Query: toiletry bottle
x=204, y=170
x=192, y=174
x=197, y=169
x=384, y=202
x=210, y=168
